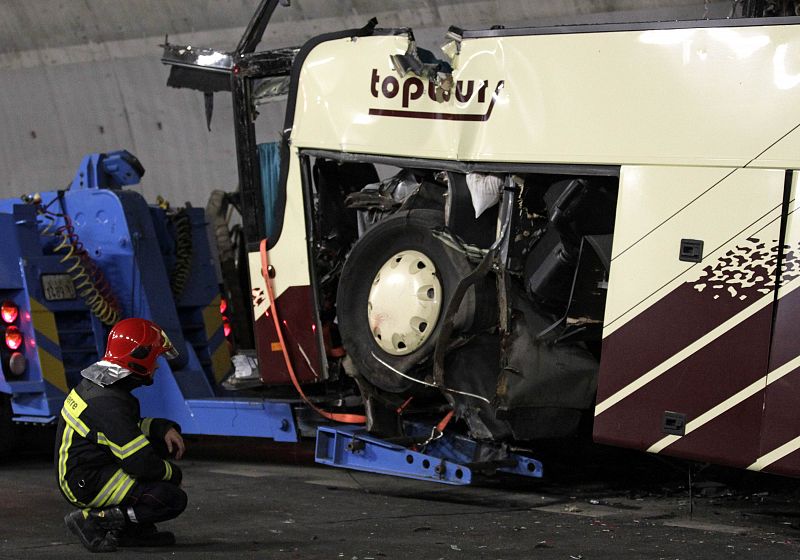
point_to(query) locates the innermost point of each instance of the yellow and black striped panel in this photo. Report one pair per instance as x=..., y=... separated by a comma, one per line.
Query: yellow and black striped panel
x=220, y=354
x=44, y=322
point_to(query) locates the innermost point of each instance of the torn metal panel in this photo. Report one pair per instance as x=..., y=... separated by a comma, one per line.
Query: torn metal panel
x=197, y=57
x=475, y=368
x=540, y=379
x=209, y=70
x=277, y=62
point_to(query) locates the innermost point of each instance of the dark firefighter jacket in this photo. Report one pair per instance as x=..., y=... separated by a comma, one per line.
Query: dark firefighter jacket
x=103, y=446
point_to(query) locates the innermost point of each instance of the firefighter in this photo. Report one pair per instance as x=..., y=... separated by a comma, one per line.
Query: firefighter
x=112, y=464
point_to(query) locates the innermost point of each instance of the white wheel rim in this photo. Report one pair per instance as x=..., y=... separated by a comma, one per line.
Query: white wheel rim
x=404, y=303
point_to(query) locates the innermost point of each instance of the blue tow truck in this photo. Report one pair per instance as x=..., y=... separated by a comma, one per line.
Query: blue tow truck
x=77, y=260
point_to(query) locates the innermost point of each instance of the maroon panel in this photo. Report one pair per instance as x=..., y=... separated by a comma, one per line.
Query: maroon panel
x=781, y=410
x=730, y=439
x=734, y=282
x=295, y=311
x=788, y=466
x=786, y=343
x=703, y=380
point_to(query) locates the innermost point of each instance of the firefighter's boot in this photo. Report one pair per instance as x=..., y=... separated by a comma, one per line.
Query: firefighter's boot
x=146, y=534
x=95, y=527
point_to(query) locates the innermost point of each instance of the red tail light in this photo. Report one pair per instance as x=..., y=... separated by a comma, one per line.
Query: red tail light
x=13, y=338
x=9, y=311
x=223, y=305
x=226, y=327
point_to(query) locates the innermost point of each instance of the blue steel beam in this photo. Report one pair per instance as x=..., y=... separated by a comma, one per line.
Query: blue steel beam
x=243, y=417
x=444, y=458
x=353, y=448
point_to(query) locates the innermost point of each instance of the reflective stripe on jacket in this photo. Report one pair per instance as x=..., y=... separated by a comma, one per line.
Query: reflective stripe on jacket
x=103, y=446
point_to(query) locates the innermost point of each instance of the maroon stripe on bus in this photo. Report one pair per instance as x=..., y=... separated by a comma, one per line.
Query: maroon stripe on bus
x=781, y=412
x=781, y=409
x=787, y=466
x=736, y=280
x=295, y=310
x=730, y=439
x=785, y=341
x=703, y=380
x=661, y=331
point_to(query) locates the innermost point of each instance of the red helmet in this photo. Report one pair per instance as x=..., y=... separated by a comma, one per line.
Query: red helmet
x=135, y=344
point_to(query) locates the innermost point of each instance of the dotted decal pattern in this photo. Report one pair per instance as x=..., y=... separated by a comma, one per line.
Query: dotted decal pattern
x=747, y=271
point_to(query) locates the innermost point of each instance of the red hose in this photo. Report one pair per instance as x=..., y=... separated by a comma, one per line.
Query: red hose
x=344, y=418
x=445, y=421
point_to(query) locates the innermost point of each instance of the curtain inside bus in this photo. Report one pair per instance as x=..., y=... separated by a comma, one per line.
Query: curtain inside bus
x=270, y=164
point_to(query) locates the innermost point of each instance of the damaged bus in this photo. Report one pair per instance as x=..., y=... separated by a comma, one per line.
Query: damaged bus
x=542, y=229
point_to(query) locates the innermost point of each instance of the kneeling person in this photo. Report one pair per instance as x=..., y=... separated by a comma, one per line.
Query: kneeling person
x=112, y=464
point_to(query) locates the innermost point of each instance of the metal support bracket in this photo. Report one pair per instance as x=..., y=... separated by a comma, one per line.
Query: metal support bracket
x=448, y=459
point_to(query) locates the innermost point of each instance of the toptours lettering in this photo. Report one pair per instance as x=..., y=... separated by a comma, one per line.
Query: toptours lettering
x=414, y=88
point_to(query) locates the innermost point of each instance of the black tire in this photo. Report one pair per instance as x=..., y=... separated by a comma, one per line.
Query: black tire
x=408, y=230
x=233, y=268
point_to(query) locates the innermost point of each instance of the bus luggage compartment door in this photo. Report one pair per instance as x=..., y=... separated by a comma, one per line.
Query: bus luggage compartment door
x=686, y=344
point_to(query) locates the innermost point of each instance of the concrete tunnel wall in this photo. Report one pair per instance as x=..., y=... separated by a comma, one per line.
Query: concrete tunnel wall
x=81, y=77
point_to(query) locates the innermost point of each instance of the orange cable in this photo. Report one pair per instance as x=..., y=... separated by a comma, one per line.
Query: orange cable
x=403, y=406
x=445, y=421
x=344, y=418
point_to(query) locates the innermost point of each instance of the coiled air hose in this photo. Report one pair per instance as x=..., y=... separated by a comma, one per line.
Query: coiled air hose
x=182, y=224
x=183, y=251
x=89, y=281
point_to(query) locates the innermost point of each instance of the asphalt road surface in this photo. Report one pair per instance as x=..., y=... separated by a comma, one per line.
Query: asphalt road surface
x=249, y=499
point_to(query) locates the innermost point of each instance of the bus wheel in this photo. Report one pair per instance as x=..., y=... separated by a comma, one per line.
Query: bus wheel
x=394, y=289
